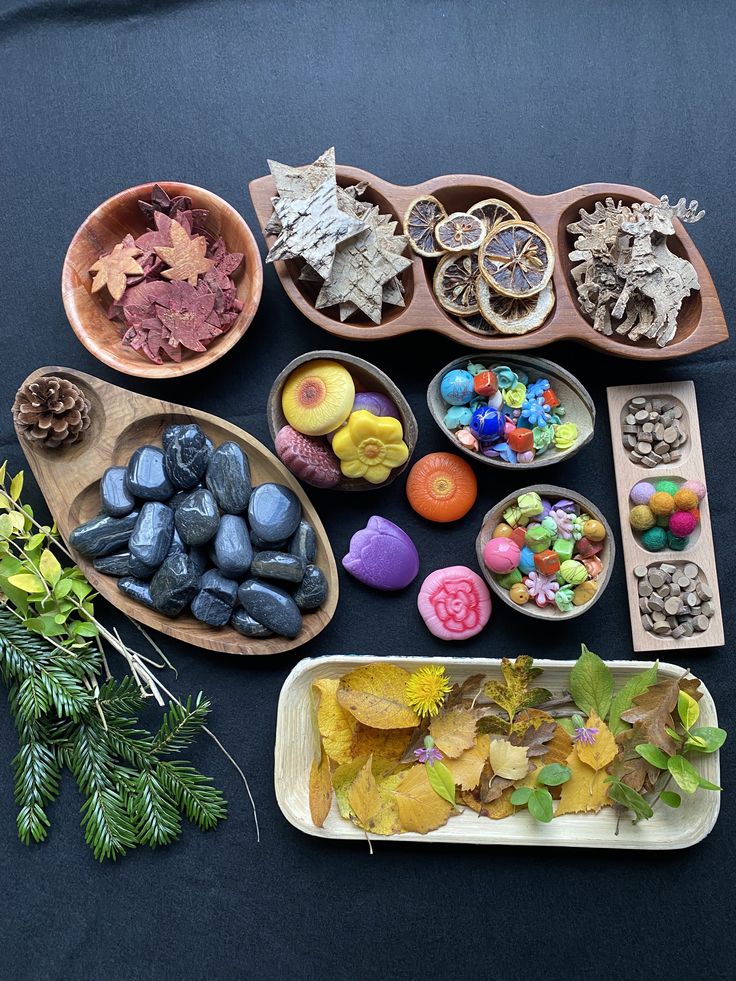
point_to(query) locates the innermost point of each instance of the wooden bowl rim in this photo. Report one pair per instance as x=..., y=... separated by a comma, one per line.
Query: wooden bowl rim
x=408, y=419
x=252, y=274
x=545, y=490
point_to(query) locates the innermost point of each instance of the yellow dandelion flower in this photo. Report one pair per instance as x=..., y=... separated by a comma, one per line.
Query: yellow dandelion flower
x=427, y=688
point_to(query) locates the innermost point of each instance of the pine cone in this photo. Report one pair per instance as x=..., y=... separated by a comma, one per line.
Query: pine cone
x=51, y=411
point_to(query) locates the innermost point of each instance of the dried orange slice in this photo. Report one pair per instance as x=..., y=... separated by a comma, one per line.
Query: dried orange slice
x=514, y=315
x=454, y=284
x=421, y=218
x=492, y=211
x=460, y=232
x=517, y=259
x=477, y=323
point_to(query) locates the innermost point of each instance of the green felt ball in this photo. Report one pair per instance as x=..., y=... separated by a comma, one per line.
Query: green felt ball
x=663, y=520
x=675, y=543
x=654, y=539
x=667, y=487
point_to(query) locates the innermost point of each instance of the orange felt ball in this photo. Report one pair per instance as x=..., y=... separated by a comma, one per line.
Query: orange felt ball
x=661, y=503
x=441, y=487
x=686, y=500
x=695, y=512
x=520, y=440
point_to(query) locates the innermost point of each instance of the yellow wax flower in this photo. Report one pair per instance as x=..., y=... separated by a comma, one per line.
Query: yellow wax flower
x=565, y=435
x=370, y=446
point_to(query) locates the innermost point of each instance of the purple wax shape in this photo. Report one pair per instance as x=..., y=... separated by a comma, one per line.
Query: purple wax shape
x=382, y=555
x=546, y=508
x=565, y=505
x=375, y=402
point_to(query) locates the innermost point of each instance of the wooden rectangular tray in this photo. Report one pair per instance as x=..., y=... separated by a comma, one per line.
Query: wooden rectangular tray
x=701, y=323
x=689, y=467
x=297, y=741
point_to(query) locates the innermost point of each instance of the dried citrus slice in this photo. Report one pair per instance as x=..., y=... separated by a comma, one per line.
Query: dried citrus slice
x=477, y=323
x=454, y=284
x=517, y=259
x=492, y=211
x=460, y=232
x=514, y=315
x=421, y=218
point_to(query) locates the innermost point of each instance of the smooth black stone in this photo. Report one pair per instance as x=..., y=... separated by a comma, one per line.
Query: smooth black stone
x=246, y=625
x=187, y=456
x=304, y=541
x=313, y=589
x=214, y=583
x=215, y=600
x=232, y=550
x=117, y=565
x=103, y=535
x=260, y=545
x=116, y=499
x=278, y=565
x=270, y=606
x=199, y=559
x=197, y=517
x=174, y=584
x=137, y=590
x=146, y=477
x=170, y=433
x=228, y=477
x=180, y=496
x=274, y=512
x=141, y=570
x=152, y=535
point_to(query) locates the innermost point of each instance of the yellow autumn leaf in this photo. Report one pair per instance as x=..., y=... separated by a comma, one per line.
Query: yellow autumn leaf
x=499, y=808
x=363, y=795
x=320, y=789
x=507, y=761
x=386, y=820
x=27, y=582
x=421, y=809
x=49, y=567
x=603, y=750
x=375, y=695
x=586, y=790
x=559, y=747
x=335, y=726
x=16, y=485
x=468, y=766
x=342, y=779
x=454, y=731
x=389, y=744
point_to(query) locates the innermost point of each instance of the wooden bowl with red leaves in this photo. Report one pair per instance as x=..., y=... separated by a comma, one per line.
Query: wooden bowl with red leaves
x=156, y=331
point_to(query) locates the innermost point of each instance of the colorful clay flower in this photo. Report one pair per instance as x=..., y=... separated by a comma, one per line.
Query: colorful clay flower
x=457, y=416
x=563, y=599
x=515, y=395
x=537, y=412
x=505, y=452
x=370, y=446
x=544, y=437
x=428, y=753
x=467, y=439
x=537, y=389
x=454, y=603
x=426, y=690
x=505, y=377
x=564, y=522
x=476, y=369
x=566, y=435
x=541, y=588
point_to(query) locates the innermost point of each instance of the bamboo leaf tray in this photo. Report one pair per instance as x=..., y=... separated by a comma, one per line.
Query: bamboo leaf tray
x=701, y=323
x=296, y=741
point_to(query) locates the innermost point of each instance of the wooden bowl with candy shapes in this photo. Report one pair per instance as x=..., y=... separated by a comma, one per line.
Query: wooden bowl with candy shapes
x=579, y=410
x=605, y=553
x=325, y=393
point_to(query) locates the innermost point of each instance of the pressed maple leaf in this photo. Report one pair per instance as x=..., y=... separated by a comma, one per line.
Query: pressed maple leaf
x=652, y=710
x=149, y=241
x=113, y=269
x=187, y=326
x=185, y=257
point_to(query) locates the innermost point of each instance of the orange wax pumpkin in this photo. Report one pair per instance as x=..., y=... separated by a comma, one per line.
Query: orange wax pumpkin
x=441, y=487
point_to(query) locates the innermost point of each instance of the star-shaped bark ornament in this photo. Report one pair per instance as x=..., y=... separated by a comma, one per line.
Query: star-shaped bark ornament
x=185, y=257
x=299, y=182
x=185, y=322
x=113, y=269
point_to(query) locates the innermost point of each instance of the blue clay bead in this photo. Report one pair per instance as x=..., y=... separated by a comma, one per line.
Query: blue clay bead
x=487, y=424
x=526, y=562
x=457, y=387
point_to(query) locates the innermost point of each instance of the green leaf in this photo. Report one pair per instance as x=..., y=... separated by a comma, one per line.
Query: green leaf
x=673, y=734
x=49, y=567
x=85, y=630
x=591, y=683
x=16, y=486
x=540, y=806
x=567, y=725
x=45, y=625
x=6, y=525
x=709, y=739
x=27, y=582
x=34, y=541
x=688, y=709
x=670, y=798
x=181, y=724
x=554, y=774
x=62, y=588
x=629, y=798
x=441, y=781
x=707, y=785
x=653, y=754
x=624, y=699
x=520, y=797
x=684, y=773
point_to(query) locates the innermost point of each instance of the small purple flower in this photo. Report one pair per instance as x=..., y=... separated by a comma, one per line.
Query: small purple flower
x=428, y=753
x=583, y=734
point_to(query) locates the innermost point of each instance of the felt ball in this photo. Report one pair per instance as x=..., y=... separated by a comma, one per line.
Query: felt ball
x=686, y=500
x=641, y=517
x=682, y=524
x=667, y=487
x=696, y=486
x=502, y=531
x=641, y=492
x=457, y=387
x=662, y=503
x=654, y=539
x=676, y=544
x=696, y=514
x=501, y=555
x=594, y=530
x=519, y=594
x=663, y=520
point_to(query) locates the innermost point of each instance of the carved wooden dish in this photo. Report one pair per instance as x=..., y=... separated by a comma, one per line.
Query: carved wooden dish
x=368, y=378
x=701, y=323
x=103, y=229
x=579, y=406
x=548, y=613
x=121, y=421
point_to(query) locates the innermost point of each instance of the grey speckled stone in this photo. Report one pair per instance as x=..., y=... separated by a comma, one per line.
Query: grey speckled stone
x=304, y=541
x=117, y=565
x=137, y=590
x=152, y=535
x=103, y=535
x=278, y=565
x=174, y=585
x=260, y=545
x=115, y=498
x=270, y=606
x=274, y=512
x=200, y=560
x=246, y=625
x=146, y=477
x=177, y=545
x=232, y=550
x=187, y=454
x=228, y=477
x=215, y=600
x=313, y=589
x=197, y=517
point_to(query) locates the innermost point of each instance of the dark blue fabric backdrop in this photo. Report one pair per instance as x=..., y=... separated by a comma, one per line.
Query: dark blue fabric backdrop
x=99, y=96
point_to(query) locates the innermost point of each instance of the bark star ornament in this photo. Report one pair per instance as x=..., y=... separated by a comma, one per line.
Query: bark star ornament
x=185, y=257
x=111, y=270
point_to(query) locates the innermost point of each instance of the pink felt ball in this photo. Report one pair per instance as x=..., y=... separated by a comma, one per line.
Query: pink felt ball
x=697, y=487
x=641, y=492
x=682, y=524
x=501, y=555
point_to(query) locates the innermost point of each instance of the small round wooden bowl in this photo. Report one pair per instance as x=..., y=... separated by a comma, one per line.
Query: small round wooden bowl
x=530, y=609
x=579, y=406
x=367, y=378
x=103, y=229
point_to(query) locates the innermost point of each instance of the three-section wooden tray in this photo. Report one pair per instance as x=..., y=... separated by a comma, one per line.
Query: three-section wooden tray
x=701, y=323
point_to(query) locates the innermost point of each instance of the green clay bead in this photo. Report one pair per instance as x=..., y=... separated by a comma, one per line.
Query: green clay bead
x=563, y=599
x=530, y=504
x=538, y=538
x=564, y=548
x=551, y=525
x=641, y=518
x=509, y=579
x=512, y=515
x=675, y=543
x=654, y=539
x=667, y=487
x=573, y=572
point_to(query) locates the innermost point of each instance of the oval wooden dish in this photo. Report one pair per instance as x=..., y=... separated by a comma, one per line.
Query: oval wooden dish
x=296, y=738
x=120, y=422
x=579, y=406
x=701, y=323
x=550, y=613
x=103, y=229
x=368, y=378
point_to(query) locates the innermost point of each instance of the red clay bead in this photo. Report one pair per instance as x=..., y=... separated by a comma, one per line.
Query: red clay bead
x=547, y=562
x=518, y=535
x=521, y=440
x=484, y=383
x=586, y=548
x=550, y=398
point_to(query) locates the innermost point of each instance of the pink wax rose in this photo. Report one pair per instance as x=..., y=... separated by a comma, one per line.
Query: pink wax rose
x=454, y=603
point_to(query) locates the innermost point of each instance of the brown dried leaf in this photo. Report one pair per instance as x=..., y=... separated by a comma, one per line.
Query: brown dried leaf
x=653, y=711
x=454, y=731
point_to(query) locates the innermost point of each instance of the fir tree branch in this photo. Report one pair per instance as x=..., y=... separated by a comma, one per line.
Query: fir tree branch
x=181, y=724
